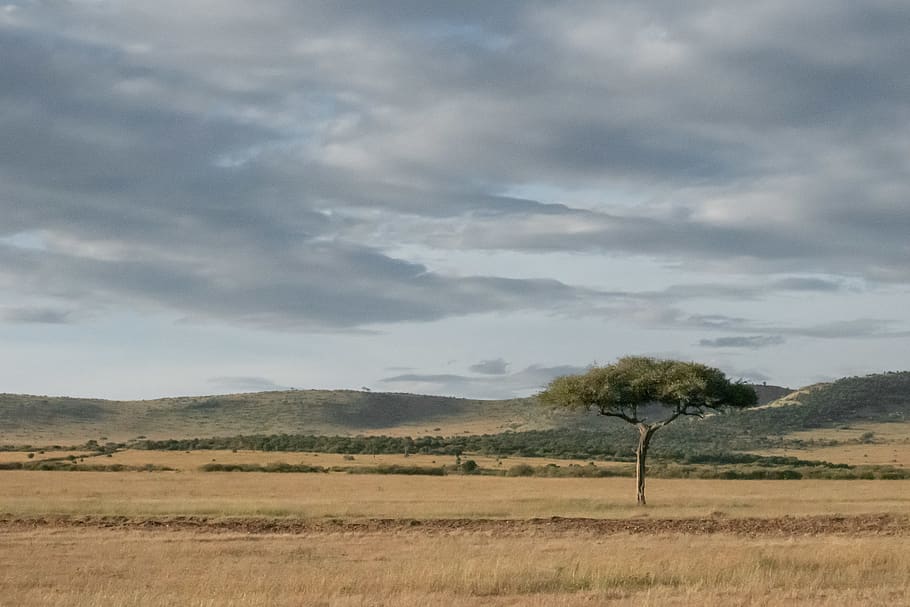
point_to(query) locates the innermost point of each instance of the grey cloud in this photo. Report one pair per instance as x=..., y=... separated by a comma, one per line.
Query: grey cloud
x=698, y=244
x=37, y=316
x=495, y=366
x=860, y=327
x=245, y=384
x=138, y=210
x=713, y=291
x=428, y=378
x=808, y=284
x=751, y=342
x=252, y=165
x=717, y=321
x=338, y=286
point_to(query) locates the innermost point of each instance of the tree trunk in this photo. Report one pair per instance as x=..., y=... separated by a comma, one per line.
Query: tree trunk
x=645, y=433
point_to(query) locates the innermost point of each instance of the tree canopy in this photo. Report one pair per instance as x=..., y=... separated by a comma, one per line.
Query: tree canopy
x=649, y=393
x=631, y=387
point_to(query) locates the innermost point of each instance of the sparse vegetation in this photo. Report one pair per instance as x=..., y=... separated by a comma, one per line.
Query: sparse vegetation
x=27, y=418
x=328, y=420
x=461, y=569
x=315, y=496
x=575, y=468
x=72, y=466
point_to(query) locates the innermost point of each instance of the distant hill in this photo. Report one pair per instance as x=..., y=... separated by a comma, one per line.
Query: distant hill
x=40, y=419
x=851, y=401
x=56, y=420
x=767, y=394
x=883, y=397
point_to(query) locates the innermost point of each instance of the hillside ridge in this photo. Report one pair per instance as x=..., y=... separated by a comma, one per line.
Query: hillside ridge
x=47, y=420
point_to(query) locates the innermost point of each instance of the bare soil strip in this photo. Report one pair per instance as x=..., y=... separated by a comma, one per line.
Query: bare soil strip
x=869, y=524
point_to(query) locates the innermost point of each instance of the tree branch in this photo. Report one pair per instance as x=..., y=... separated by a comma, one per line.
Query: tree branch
x=621, y=415
x=694, y=413
x=662, y=423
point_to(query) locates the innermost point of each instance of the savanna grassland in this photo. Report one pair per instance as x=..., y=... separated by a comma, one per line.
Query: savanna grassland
x=354, y=496
x=884, y=444
x=95, y=512
x=101, y=567
x=197, y=538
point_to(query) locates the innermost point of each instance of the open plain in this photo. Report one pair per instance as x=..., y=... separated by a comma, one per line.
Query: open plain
x=95, y=567
x=196, y=538
x=518, y=518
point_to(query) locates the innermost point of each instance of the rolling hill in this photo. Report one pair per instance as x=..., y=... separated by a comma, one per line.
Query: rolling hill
x=883, y=398
x=44, y=420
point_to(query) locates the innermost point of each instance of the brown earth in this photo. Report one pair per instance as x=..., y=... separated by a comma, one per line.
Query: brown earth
x=869, y=524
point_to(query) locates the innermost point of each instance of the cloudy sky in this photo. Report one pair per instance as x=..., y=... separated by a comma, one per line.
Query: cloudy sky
x=454, y=198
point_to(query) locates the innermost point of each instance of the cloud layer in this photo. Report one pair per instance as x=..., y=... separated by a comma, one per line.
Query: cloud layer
x=292, y=166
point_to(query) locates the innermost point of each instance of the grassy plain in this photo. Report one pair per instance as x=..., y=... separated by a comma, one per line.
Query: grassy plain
x=101, y=567
x=23, y=456
x=394, y=496
x=887, y=444
x=416, y=565
x=188, y=461
x=56, y=547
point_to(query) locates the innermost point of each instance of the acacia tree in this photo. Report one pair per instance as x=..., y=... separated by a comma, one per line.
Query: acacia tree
x=648, y=393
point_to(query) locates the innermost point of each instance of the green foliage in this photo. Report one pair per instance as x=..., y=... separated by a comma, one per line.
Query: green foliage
x=520, y=470
x=270, y=467
x=780, y=469
x=539, y=443
x=468, y=466
x=395, y=469
x=866, y=438
x=613, y=442
x=626, y=387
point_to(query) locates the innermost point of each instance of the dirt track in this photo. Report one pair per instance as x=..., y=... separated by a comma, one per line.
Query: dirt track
x=876, y=524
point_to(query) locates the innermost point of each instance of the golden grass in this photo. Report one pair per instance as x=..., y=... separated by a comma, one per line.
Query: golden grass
x=23, y=456
x=100, y=567
x=890, y=445
x=193, y=460
x=97, y=568
x=881, y=454
x=887, y=431
x=393, y=496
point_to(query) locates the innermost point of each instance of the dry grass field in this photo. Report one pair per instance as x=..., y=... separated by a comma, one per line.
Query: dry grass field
x=889, y=445
x=23, y=456
x=395, y=496
x=491, y=563
x=189, y=461
x=99, y=568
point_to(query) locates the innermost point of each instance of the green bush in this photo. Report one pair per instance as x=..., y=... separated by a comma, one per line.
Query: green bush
x=469, y=466
x=520, y=470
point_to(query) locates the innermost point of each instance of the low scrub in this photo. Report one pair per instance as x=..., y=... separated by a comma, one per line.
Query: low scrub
x=68, y=466
x=270, y=467
x=395, y=469
x=659, y=470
